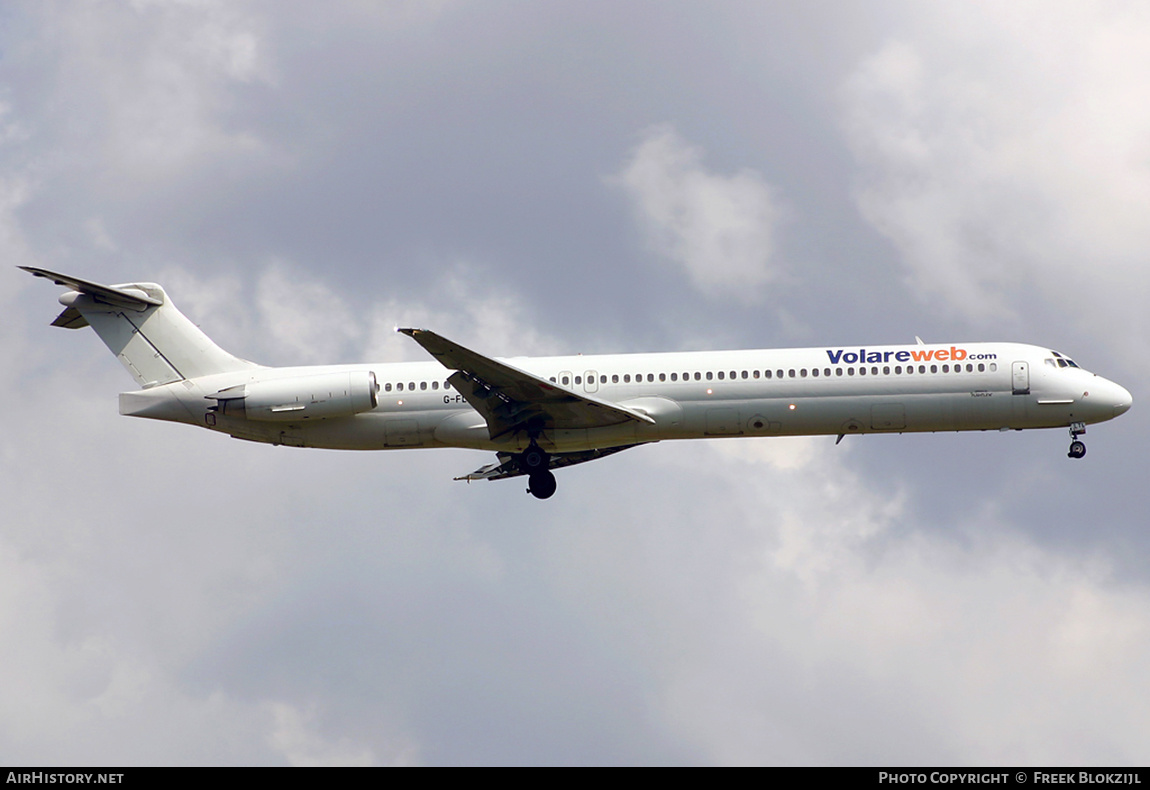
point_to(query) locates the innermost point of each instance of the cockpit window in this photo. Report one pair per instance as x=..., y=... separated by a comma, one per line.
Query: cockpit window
x=1063, y=361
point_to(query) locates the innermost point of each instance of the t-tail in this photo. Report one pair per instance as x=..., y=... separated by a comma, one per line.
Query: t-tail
x=141, y=326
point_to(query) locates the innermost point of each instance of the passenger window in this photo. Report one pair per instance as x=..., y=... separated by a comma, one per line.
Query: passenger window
x=626, y=378
x=815, y=372
x=423, y=385
x=779, y=374
x=827, y=372
x=733, y=376
x=696, y=375
x=615, y=378
x=838, y=371
x=874, y=371
x=745, y=374
x=766, y=374
x=662, y=377
x=650, y=377
x=862, y=371
x=603, y=379
x=435, y=385
x=399, y=386
x=934, y=368
x=803, y=373
x=411, y=386
x=850, y=371
x=578, y=380
x=553, y=380
x=946, y=368
x=566, y=380
x=897, y=369
x=722, y=375
x=791, y=373
x=886, y=370
x=674, y=377
x=981, y=368
x=755, y=374
x=922, y=368
x=710, y=375
x=387, y=387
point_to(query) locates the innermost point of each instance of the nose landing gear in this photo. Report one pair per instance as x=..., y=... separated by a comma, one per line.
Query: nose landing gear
x=1077, y=448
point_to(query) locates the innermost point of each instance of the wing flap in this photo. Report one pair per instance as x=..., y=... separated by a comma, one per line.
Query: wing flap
x=505, y=466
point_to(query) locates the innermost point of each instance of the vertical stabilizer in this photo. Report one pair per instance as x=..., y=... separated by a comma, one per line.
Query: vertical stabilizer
x=138, y=322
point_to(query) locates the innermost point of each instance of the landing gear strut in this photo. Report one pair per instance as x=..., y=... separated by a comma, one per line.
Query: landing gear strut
x=1077, y=448
x=535, y=462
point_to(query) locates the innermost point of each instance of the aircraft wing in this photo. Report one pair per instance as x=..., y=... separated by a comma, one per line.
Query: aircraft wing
x=506, y=467
x=511, y=399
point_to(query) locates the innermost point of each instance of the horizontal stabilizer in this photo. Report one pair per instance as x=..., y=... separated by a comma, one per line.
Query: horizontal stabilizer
x=70, y=319
x=129, y=298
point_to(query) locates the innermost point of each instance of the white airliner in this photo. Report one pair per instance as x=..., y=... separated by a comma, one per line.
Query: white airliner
x=546, y=413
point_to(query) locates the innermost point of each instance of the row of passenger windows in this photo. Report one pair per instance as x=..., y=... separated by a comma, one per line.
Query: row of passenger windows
x=722, y=375
x=411, y=386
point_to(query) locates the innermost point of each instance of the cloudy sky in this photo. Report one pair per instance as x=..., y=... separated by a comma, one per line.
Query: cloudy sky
x=580, y=177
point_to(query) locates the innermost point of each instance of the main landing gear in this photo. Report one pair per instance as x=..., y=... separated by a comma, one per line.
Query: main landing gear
x=1077, y=448
x=535, y=462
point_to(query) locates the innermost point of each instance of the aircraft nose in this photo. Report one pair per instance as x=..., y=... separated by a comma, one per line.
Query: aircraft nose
x=1122, y=400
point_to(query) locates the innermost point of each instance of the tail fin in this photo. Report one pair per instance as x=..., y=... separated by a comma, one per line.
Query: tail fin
x=141, y=326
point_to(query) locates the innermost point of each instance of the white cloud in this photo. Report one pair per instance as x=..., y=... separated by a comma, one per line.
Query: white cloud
x=720, y=229
x=304, y=316
x=484, y=317
x=1003, y=151
x=296, y=737
x=152, y=80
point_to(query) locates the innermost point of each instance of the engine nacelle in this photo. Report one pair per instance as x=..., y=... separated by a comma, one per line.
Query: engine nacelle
x=317, y=397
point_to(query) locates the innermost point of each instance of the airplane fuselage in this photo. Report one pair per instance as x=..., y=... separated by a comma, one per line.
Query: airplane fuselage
x=545, y=413
x=688, y=395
